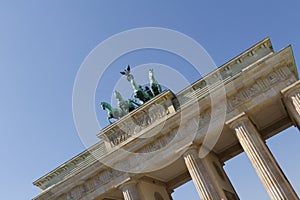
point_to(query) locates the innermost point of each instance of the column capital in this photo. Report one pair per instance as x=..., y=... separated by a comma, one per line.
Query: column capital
x=291, y=99
x=126, y=183
x=199, y=150
x=191, y=150
x=240, y=119
x=291, y=89
x=130, y=190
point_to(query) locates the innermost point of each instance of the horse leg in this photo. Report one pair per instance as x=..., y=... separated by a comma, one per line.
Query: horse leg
x=135, y=102
x=108, y=118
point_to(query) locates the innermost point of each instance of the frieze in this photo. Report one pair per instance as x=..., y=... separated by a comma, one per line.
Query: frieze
x=273, y=78
x=118, y=137
x=190, y=125
x=144, y=120
x=235, y=100
x=137, y=123
x=160, y=142
x=91, y=184
x=257, y=87
x=204, y=118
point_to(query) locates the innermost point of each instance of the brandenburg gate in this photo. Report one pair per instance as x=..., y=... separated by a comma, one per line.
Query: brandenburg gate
x=172, y=138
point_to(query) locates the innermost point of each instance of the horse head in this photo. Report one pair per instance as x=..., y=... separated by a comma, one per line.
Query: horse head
x=102, y=105
x=106, y=106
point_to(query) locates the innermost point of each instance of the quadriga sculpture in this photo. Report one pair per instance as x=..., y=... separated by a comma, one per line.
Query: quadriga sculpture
x=115, y=113
x=138, y=90
x=125, y=105
x=154, y=85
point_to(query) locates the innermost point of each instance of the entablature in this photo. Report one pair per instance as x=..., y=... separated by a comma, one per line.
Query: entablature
x=257, y=75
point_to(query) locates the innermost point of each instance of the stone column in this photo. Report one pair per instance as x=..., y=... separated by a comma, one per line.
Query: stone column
x=291, y=99
x=268, y=170
x=208, y=175
x=130, y=191
x=200, y=175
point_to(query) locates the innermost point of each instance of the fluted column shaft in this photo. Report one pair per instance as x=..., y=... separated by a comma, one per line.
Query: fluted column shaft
x=199, y=174
x=130, y=191
x=296, y=102
x=262, y=159
x=291, y=98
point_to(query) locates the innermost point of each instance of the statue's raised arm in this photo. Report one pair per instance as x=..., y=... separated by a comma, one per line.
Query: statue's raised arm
x=138, y=90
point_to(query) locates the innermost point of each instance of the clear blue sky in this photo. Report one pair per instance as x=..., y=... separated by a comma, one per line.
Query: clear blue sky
x=43, y=43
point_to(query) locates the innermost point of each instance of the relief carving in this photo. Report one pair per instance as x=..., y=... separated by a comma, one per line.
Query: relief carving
x=137, y=123
x=159, y=143
x=273, y=78
x=90, y=185
x=204, y=119
x=253, y=90
x=62, y=197
x=118, y=137
x=236, y=100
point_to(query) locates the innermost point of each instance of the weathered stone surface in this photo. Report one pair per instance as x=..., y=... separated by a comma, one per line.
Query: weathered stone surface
x=255, y=82
x=265, y=165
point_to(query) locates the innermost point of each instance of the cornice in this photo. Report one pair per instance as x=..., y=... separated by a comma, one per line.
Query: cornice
x=224, y=74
